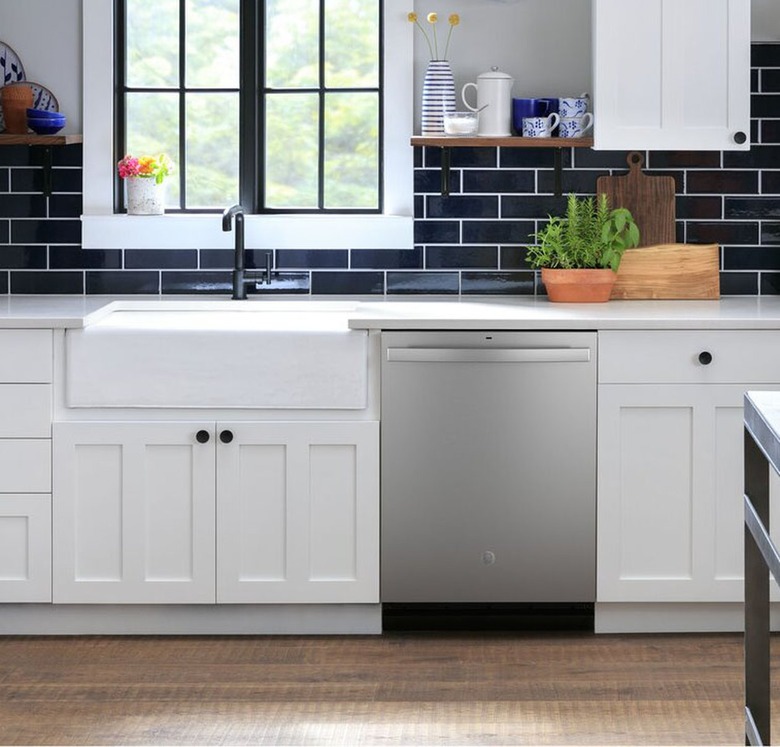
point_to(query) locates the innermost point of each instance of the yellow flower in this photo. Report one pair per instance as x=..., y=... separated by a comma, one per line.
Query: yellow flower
x=433, y=17
x=412, y=17
x=454, y=19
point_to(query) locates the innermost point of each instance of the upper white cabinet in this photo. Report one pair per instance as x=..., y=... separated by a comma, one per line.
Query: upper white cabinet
x=671, y=74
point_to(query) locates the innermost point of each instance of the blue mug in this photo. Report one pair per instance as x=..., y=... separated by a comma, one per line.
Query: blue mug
x=522, y=108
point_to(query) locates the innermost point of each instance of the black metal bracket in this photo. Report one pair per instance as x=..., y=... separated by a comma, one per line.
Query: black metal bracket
x=45, y=160
x=446, y=163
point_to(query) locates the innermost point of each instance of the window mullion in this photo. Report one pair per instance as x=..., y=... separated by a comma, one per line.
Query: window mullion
x=321, y=129
x=251, y=105
x=182, y=165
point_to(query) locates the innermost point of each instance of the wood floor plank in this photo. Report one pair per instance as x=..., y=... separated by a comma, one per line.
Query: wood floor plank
x=396, y=689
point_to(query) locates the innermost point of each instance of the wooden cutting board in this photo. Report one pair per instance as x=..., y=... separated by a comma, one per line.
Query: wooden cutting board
x=669, y=271
x=649, y=198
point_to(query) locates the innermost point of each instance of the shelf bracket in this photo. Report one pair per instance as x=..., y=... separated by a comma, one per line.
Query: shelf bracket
x=446, y=163
x=45, y=160
x=558, y=171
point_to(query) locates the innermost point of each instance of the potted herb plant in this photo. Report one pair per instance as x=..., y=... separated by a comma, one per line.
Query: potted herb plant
x=579, y=254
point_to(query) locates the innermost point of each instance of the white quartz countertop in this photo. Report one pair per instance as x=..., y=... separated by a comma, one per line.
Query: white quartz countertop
x=748, y=312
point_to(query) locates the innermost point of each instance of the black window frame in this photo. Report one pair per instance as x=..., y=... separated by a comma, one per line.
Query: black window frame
x=252, y=92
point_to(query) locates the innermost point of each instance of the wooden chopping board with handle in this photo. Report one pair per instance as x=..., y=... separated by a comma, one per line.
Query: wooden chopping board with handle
x=650, y=199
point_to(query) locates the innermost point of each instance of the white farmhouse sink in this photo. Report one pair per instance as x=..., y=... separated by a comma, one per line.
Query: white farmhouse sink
x=207, y=354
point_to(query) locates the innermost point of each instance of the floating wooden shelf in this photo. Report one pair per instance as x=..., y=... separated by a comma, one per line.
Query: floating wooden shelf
x=6, y=139
x=45, y=143
x=446, y=143
x=503, y=142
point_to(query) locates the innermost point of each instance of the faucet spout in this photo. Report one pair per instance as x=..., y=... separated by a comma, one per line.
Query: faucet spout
x=242, y=277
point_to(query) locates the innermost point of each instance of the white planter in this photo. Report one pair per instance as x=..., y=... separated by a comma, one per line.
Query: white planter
x=145, y=196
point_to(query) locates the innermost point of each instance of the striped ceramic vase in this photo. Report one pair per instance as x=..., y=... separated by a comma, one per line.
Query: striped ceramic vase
x=438, y=97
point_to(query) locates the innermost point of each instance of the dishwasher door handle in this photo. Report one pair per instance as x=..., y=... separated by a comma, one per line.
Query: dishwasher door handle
x=488, y=355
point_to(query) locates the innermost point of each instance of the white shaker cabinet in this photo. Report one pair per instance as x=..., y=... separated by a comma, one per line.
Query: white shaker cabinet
x=198, y=512
x=670, y=461
x=671, y=74
x=25, y=465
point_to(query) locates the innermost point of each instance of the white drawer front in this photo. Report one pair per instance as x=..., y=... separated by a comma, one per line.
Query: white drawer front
x=25, y=410
x=680, y=356
x=25, y=466
x=26, y=355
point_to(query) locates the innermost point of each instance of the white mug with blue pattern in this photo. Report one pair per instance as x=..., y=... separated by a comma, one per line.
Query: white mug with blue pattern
x=575, y=126
x=540, y=126
x=573, y=106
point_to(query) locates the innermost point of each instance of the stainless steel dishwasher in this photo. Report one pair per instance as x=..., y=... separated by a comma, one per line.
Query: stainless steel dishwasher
x=488, y=467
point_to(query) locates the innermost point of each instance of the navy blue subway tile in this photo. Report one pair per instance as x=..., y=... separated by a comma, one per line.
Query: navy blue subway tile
x=770, y=233
x=422, y=282
x=758, y=157
x=216, y=259
x=722, y=232
x=386, y=259
x=755, y=83
x=22, y=257
x=436, y=232
x=161, y=259
x=497, y=231
x=572, y=180
x=457, y=257
x=47, y=282
x=454, y=206
x=532, y=158
x=463, y=157
x=503, y=180
x=764, y=105
x=587, y=158
x=3, y=282
x=51, y=231
x=769, y=131
x=722, y=182
x=419, y=206
x=769, y=283
x=73, y=155
x=532, y=206
x=770, y=81
x=497, y=283
x=15, y=155
x=738, y=283
x=76, y=258
x=751, y=258
x=22, y=206
x=765, y=54
x=429, y=180
x=348, y=283
x=65, y=206
x=206, y=282
x=312, y=258
x=770, y=182
x=5, y=180
x=418, y=158
x=31, y=180
x=751, y=207
x=754, y=131
x=701, y=208
x=513, y=257
x=108, y=282
x=5, y=230
x=284, y=283
x=683, y=159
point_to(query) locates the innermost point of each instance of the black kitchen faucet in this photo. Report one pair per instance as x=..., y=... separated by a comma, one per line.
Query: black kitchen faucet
x=241, y=276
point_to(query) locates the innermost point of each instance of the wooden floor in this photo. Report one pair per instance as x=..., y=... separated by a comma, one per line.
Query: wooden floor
x=397, y=689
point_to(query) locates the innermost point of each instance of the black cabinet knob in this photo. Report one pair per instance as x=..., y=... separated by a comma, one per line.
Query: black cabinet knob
x=202, y=437
x=705, y=358
x=226, y=437
x=740, y=137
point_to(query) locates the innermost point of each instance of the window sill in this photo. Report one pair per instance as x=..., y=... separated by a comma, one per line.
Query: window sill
x=176, y=231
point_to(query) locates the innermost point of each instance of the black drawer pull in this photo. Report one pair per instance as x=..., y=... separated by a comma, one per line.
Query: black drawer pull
x=705, y=358
x=202, y=437
x=226, y=437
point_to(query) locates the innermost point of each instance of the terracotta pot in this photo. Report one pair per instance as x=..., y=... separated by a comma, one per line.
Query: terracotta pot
x=578, y=286
x=16, y=99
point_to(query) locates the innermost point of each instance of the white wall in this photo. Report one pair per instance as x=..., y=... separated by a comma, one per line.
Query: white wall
x=46, y=34
x=543, y=44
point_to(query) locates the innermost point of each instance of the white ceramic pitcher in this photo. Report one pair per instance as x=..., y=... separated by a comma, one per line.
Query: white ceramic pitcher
x=494, y=103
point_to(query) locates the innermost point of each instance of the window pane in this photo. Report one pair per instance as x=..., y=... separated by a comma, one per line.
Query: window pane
x=352, y=44
x=292, y=122
x=212, y=43
x=351, y=150
x=152, y=43
x=153, y=127
x=212, y=150
x=292, y=46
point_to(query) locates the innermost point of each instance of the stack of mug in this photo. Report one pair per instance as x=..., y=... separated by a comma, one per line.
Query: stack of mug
x=545, y=117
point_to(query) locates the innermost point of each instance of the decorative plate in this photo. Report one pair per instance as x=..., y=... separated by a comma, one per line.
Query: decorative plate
x=43, y=98
x=10, y=65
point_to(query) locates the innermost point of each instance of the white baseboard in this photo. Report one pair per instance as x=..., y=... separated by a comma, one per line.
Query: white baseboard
x=180, y=619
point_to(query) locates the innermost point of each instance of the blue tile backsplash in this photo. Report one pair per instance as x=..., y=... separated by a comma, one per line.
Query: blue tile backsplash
x=470, y=243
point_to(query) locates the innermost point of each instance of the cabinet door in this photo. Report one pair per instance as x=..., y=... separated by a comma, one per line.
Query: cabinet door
x=298, y=512
x=133, y=513
x=671, y=74
x=25, y=548
x=670, y=517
